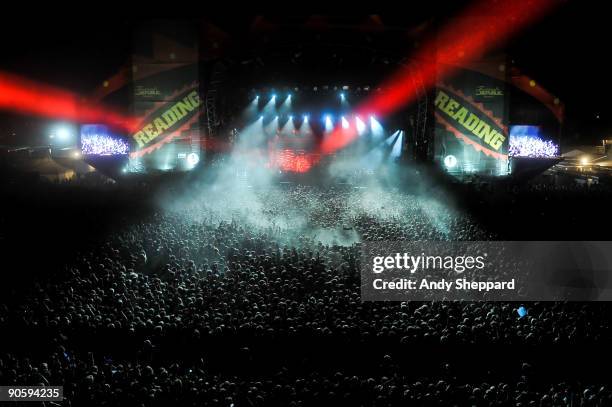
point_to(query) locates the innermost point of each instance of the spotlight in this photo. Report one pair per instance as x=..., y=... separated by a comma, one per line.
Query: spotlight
x=360, y=125
x=290, y=117
x=345, y=123
x=193, y=159
x=329, y=125
x=584, y=160
x=450, y=161
x=305, y=118
x=276, y=117
x=377, y=128
x=63, y=133
x=273, y=97
x=261, y=117
x=342, y=96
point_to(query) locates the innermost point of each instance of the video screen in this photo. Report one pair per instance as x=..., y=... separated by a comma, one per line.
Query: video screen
x=98, y=139
x=527, y=141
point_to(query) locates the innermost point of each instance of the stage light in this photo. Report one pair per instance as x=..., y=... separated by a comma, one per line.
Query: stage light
x=276, y=117
x=290, y=117
x=360, y=126
x=345, y=123
x=305, y=118
x=193, y=159
x=329, y=125
x=450, y=161
x=396, y=151
x=342, y=96
x=261, y=117
x=377, y=128
x=274, y=96
x=76, y=154
x=63, y=133
x=584, y=161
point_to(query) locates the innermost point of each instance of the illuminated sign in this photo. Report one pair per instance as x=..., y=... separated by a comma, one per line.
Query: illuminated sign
x=488, y=91
x=169, y=118
x=143, y=91
x=470, y=122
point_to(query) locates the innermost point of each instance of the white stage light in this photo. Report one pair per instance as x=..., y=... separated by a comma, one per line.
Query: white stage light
x=63, y=133
x=329, y=125
x=360, y=126
x=193, y=159
x=450, y=161
x=345, y=123
x=377, y=128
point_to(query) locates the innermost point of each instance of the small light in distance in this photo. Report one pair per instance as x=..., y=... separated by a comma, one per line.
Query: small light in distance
x=63, y=133
x=450, y=161
x=193, y=159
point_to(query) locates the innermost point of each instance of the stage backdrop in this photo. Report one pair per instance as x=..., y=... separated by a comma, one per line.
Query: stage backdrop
x=471, y=116
x=166, y=95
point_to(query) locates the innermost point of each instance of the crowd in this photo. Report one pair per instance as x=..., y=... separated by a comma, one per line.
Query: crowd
x=228, y=300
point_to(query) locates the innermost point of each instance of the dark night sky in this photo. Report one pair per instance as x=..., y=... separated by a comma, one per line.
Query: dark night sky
x=566, y=53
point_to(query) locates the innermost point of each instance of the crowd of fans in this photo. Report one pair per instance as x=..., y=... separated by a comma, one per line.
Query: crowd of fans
x=149, y=315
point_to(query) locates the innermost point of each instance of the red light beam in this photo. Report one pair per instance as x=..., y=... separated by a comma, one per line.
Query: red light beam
x=29, y=97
